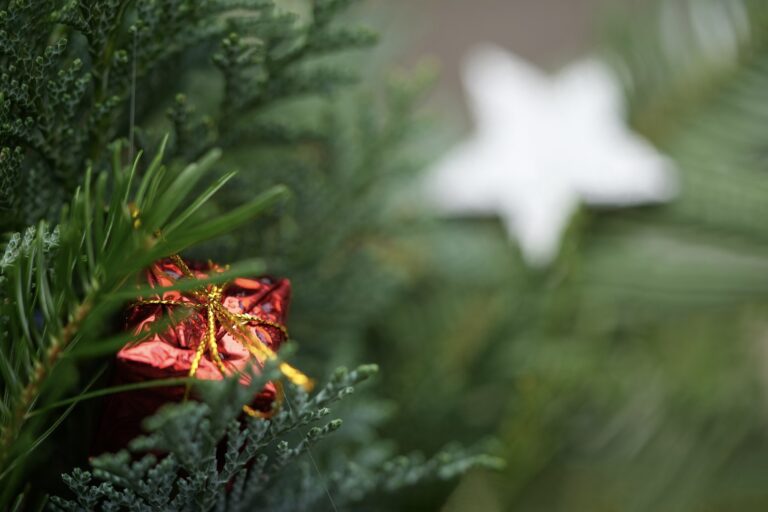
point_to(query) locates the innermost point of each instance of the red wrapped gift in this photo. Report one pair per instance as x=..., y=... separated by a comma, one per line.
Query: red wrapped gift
x=229, y=328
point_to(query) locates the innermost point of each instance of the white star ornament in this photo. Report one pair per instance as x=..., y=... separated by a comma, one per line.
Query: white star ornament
x=542, y=146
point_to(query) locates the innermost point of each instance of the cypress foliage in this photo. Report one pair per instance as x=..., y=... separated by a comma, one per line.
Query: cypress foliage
x=202, y=87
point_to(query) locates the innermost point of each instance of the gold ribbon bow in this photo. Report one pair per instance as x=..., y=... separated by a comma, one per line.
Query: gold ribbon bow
x=209, y=302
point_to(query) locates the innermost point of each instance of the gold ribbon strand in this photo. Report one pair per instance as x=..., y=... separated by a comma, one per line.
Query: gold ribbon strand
x=209, y=302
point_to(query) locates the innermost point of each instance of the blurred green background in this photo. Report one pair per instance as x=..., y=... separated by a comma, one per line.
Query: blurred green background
x=630, y=374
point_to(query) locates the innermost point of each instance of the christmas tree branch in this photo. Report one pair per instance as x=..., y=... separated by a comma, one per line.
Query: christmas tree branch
x=86, y=285
x=10, y=431
x=213, y=459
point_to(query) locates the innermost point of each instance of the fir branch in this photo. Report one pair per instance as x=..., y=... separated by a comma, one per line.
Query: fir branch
x=695, y=96
x=192, y=473
x=67, y=80
x=42, y=368
x=96, y=256
x=687, y=69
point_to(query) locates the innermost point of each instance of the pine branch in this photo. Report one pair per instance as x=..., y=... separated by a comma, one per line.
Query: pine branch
x=257, y=454
x=68, y=78
x=52, y=304
x=696, y=84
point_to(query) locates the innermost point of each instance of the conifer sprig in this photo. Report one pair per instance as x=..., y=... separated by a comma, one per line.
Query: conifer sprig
x=68, y=75
x=212, y=460
x=59, y=287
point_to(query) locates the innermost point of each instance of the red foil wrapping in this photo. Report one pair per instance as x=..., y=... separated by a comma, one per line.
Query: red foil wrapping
x=169, y=354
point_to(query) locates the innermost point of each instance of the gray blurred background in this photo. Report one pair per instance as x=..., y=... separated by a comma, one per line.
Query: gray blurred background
x=548, y=33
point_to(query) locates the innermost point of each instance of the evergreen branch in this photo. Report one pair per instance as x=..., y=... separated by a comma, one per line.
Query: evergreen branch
x=65, y=98
x=687, y=69
x=53, y=426
x=77, y=104
x=10, y=428
x=84, y=285
x=698, y=98
x=212, y=459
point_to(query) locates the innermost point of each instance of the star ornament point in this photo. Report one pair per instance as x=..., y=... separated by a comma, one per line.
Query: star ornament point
x=542, y=146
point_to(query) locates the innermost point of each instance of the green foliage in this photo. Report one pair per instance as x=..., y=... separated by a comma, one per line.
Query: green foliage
x=70, y=67
x=210, y=459
x=59, y=286
x=340, y=241
x=706, y=116
x=243, y=77
x=704, y=112
x=630, y=375
x=682, y=284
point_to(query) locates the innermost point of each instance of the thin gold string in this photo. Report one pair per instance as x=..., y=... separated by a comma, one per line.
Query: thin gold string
x=291, y=373
x=217, y=315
